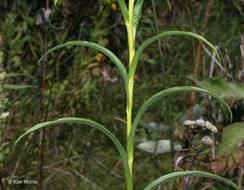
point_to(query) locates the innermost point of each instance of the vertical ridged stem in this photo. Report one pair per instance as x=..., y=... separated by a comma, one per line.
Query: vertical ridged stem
x=131, y=44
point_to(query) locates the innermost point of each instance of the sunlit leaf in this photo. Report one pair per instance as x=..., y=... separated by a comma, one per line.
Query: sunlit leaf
x=232, y=136
x=166, y=178
x=92, y=124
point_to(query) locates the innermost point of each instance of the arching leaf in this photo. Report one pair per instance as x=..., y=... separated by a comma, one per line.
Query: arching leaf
x=161, y=35
x=168, y=2
x=55, y=2
x=176, y=175
x=160, y=95
x=17, y=87
x=98, y=47
x=92, y=124
x=137, y=14
x=124, y=10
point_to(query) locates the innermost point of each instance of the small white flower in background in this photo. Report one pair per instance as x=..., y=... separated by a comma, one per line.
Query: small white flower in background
x=211, y=127
x=189, y=123
x=200, y=123
x=208, y=125
x=207, y=140
x=214, y=129
x=4, y=115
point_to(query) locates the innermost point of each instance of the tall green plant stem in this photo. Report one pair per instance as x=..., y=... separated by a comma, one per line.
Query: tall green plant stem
x=131, y=44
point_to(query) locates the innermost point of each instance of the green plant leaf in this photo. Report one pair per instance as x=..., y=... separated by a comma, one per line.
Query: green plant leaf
x=98, y=47
x=124, y=10
x=17, y=87
x=232, y=136
x=160, y=95
x=55, y=2
x=14, y=75
x=157, y=147
x=168, y=2
x=137, y=13
x=176, y=175
x=220, y=87
x=161, y=35
x=92, y=124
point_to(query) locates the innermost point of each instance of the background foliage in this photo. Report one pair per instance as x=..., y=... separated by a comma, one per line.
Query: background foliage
x=79, y=83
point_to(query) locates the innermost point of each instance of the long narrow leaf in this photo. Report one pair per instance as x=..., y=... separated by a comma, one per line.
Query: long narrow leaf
x=98, y=47
x=14, y=74
x=168, y=2
x=160, y=95
x=176, y=175
x=92, y=124
x=124, y=10
x=55, y=2
x=137, y=13
x=161, y=35
x=17, y=87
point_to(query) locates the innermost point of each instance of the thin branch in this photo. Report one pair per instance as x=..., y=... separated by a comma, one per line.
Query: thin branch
x=198, y=55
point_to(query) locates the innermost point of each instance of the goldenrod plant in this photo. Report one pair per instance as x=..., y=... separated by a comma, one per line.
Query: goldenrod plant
x=131, y=14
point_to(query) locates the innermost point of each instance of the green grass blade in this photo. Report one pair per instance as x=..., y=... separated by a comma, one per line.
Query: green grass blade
x=98, y=47
x=176, y=175
x=55, y=2
x=14, y=75
x=92, y=124
x=137, y=12
x=168, y=2
x=161, y=35
x=160, y=95
x=124, y=10
x=17, y=87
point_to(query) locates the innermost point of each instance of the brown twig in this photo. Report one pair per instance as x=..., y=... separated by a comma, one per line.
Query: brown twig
x=199, y=49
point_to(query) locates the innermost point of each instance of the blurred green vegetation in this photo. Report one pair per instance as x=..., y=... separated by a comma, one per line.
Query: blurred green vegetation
x=77, y=85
